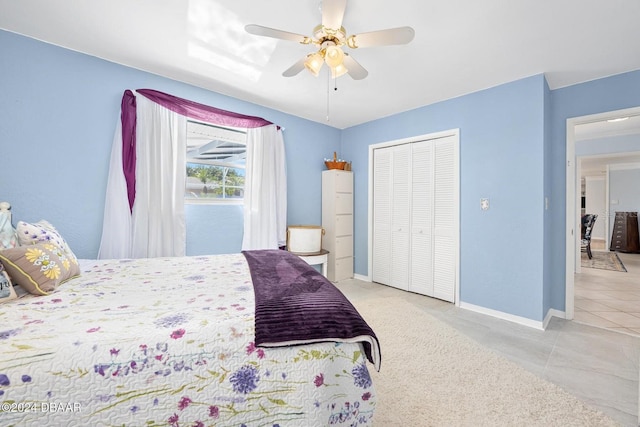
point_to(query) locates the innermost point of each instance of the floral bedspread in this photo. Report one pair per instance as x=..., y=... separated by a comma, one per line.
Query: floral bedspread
x=167, y=341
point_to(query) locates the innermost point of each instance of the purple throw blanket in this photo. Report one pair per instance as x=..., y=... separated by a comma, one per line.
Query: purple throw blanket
x=297, y=305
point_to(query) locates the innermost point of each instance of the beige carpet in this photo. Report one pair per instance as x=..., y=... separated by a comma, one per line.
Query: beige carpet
x=432, y=375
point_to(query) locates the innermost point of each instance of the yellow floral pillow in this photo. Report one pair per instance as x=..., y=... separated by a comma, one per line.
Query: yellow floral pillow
x=42, y=232
x=38, y=268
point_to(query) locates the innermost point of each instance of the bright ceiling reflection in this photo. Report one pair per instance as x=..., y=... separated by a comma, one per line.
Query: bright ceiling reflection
x=217, y=36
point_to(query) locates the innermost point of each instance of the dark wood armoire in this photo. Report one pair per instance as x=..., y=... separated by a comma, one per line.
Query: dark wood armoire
x=625, y=233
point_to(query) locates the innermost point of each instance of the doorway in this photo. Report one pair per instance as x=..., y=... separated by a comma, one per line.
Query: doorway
x=576, y=126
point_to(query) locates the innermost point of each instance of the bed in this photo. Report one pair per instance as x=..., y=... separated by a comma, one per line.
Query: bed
x=176, y=341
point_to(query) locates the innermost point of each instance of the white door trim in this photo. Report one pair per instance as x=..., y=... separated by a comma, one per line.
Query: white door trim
x=572, y=238
x=430, y=136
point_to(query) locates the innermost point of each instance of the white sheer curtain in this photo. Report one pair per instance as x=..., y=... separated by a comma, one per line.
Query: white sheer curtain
x=158, y=221
x=116, y=225
x=155, y=226
x=265, y=190
x=144, y=206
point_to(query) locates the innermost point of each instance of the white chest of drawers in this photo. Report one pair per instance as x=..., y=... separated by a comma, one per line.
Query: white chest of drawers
x=337, y=221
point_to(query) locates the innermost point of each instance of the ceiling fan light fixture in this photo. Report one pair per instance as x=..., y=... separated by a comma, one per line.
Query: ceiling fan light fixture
x=330, y=37
x=351, y=42
x=333, y=56
x=313, y=63
x=338, y=71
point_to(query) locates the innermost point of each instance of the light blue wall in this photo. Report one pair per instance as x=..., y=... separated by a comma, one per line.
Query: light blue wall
x=494, y=270
x=608, y=145
x=598, y=96
x=57, y=117
x=58, y=111
x=623, y=187
x=501, y=157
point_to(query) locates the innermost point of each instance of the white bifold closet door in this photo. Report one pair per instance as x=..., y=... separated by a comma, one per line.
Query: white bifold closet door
x=414, y=205
x=381, y=271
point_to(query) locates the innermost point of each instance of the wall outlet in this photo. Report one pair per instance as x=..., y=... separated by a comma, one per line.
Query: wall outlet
x=484, y=204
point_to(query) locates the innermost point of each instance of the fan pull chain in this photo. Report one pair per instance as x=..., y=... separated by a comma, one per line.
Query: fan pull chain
x=328, y=92
x=335, y=88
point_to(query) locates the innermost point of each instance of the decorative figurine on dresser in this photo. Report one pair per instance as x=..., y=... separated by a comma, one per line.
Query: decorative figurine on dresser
x=625, y=233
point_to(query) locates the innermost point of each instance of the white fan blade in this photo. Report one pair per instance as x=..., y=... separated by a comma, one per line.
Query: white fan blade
x=295, y=68
x=354, y=69
x=259, y=30
x=392, y=36
x=332, y=13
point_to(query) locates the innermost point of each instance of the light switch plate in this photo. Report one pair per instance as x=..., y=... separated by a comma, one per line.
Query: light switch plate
x=484, y=204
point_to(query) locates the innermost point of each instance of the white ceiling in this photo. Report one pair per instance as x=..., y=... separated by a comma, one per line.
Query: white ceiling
x=461, y=46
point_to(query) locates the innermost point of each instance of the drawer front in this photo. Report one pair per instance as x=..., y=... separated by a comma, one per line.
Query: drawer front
x=344, y=203
x=343, y=269
x=344, y=225
x=344, y=246
x=344, y=182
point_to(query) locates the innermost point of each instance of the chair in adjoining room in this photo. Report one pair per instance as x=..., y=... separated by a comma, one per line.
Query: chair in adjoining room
x=587, y=226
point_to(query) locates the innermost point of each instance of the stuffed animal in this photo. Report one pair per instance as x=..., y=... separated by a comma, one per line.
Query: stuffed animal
x=8, y=236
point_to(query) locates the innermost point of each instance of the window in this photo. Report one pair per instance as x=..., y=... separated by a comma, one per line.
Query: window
x=215, y=163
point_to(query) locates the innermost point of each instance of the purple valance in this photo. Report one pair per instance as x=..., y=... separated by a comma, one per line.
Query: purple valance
x=128, y=119
x=184, y=107
x=194, y=110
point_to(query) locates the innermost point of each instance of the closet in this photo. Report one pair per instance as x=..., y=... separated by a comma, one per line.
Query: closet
x=415, y=216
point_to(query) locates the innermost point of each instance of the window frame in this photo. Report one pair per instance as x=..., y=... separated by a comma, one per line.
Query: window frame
x=220, y=133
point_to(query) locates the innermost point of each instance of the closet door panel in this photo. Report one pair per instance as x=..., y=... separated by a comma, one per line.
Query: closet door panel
x=421, y=279
x=444, y=219
x=444, y=269
x=421, y=264
x=400, y=216
x=381, y=244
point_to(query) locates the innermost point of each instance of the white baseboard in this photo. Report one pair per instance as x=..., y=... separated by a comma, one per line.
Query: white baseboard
x=504, y=316
x=516, y=319
x=553, y=313
x=499, y=314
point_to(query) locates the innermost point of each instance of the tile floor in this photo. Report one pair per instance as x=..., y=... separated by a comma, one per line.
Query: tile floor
x=596, y=365
x=610, y=299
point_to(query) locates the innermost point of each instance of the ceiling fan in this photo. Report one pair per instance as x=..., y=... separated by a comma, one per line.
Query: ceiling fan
x=330, y=37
